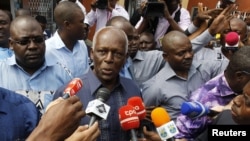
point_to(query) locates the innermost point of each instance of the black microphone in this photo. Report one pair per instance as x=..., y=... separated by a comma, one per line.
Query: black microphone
x=196, y=109
x=97, y=109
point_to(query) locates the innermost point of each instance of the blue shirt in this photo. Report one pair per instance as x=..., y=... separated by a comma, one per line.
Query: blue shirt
x=18, y=116
x=168, y=90
x=76, y=60
x=110, y=128
x=40, y=86
x=5, y=53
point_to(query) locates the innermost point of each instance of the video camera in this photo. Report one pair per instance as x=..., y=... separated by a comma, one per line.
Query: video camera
x=153, y=8
x=101, y=4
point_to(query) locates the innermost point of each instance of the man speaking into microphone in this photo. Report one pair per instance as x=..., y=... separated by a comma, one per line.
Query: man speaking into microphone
x=109, y=52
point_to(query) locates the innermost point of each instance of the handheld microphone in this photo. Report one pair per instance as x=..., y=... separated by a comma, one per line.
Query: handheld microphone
x=161, y=119
x=72, y=88
x=129, y=120
x=97, y=109
x=196, y=109
x=138, y=105
x=232, y=40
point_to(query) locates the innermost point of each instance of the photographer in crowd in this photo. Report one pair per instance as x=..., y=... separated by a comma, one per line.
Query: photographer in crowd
x=169, y=16
x=103, y=10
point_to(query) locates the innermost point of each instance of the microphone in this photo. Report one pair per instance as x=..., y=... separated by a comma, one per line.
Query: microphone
x=161, y=119
x=97, y=109
x=138, y=105
x=196, y=109
x=72, y=88
x=129, y=120
x=232, y=40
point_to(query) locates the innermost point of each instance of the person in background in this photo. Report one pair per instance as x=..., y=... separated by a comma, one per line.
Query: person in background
x=78, y=3
x=109, y=53
x=43, y=22
x=147, y=41
x=67, y=45
x=174, y=18
x=19, y=116
x=237, y=113
x=28, y=71
x=100, y=15
x=5, y=20
x=218, y=91
x=180, y=76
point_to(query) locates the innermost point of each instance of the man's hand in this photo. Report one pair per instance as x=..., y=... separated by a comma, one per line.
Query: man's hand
x=59, y=121
x=85, y=133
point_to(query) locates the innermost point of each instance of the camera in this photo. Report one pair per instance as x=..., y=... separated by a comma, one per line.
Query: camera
x=101, y=4
x=153, y=8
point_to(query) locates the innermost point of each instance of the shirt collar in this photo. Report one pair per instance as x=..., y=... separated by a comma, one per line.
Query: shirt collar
x=169, y=72
x=59, y=43
x=95, y=83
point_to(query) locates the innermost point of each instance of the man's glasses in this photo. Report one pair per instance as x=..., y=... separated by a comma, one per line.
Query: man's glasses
x=27, y=41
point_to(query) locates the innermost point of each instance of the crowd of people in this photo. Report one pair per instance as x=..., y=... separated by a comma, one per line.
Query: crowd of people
x=165, y=60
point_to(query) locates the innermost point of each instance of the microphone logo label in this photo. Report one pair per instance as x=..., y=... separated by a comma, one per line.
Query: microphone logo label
x=130, y=112
x=98, y=108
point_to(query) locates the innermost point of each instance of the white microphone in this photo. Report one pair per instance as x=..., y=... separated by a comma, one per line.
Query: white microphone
x=165, y=128
x=97, y=109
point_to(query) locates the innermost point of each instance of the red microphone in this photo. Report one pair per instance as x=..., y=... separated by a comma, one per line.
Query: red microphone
x=72, y=88
x=129, y=120
x=232, y=40
x=138, y=105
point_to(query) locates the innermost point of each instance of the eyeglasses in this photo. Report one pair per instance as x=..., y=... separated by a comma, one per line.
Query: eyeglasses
x=26, y=41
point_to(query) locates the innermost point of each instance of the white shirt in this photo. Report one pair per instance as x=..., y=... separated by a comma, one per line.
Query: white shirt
x=101, y=16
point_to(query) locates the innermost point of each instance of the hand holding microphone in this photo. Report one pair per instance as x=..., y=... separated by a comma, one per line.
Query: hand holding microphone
x=97, y=109
x=72, y=88
x=165, y=128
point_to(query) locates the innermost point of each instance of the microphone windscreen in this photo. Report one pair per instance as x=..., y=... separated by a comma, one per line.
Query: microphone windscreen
x=232, y=38
x=73, y=87
x=103, y=94
x=138, y=105
x=160, y=116
x=128, y=118
x=194, y=109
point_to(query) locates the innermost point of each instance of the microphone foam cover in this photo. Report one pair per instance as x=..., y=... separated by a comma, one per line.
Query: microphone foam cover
x=160, y=116
x=138, y=105
x=103, y=93
x=232, y=38
x=74, y=86
x=128, y=118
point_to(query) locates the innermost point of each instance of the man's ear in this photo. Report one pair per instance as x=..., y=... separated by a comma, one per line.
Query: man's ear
x=91, y=53
x=165, y=56
x=10, y=44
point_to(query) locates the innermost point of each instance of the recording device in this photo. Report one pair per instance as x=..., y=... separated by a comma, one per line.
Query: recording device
x=196, y=109
x=232, y=40
x=165, y=128
x=153, y=8
x=72, y=88
x=101, y=4
x=97, y=109
x=129, y=120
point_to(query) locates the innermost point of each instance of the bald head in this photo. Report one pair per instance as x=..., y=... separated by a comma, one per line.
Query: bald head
x=170, y=40
x=65, y=11
x=121, y=23
x=22, y=12
x=110, y=33
x=24, y=22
